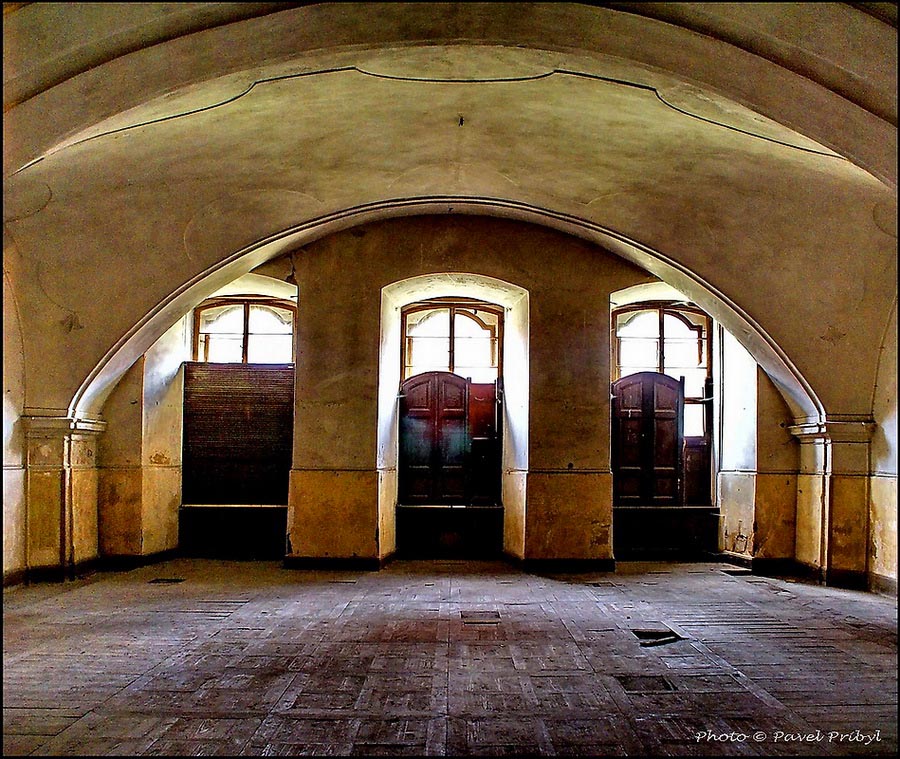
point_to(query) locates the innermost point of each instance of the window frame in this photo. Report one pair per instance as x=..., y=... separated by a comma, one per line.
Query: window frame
x=246, y=301
x=676, y=309
x=455, y=305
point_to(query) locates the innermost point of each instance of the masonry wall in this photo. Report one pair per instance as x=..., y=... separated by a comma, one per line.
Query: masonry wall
x=757, y=480
x=334, y=483
x=139, y=458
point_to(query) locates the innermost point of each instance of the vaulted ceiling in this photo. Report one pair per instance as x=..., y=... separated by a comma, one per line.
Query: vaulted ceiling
x=737, y=150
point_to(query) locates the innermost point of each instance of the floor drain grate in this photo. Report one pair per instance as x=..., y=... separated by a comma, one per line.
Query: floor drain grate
x=166, y=580
x=656, y=637
x=644, y=683
x=480, y=617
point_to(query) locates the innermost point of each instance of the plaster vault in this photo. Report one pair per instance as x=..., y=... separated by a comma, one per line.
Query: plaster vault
x=752, y=181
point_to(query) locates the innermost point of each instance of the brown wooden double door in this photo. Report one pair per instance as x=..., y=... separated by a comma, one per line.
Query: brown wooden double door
x=647, y=440
x=449, y=441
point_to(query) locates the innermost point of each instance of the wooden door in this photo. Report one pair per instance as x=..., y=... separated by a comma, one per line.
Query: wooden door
x=433, y=439
x=449, y=446
x=647, y=440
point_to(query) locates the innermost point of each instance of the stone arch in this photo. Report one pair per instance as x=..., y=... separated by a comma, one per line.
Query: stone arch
x=802, y=399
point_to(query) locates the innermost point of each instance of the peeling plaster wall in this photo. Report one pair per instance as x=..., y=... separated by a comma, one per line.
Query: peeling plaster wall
x=120, y=496
x=736, y=491
x=140, y=452
x=811, y=498
x=757, y=482
x=334, y=483
x=515, y=436
x=778, y=461
x=883, y=482
x=14, y=534
x=162, y=402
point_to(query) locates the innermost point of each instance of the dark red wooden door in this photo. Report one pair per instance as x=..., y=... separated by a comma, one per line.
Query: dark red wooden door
x=449, y=447
x=647, y=438
x=433, y=439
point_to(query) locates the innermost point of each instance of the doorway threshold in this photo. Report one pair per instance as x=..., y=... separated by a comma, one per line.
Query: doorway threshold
x=447, y=506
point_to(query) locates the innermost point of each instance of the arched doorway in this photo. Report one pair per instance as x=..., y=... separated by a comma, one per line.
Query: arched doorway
x=237, y=427
x=661, y=431
x=449, y=463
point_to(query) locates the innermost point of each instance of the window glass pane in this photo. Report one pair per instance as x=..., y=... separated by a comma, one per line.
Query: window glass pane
x=684, y=352
x=469, y=321
x=694, y=379
x=433, y=322
x=697, y=320
x=474, y=351
x=629, y=370
x=270, y=320
x=478, y=374
x=638, y=324
x=428, y=341
x=638, y=352
x=427, y=354
x=222, y=320
x=474, y=347
x=694, y=417
x=221, y=334
x=675, y=327
x=222, y=349
x=270, y=349
x=271, y=335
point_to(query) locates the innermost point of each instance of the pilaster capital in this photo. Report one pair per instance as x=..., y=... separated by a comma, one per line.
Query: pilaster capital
x=843, y=429
x=37, y=426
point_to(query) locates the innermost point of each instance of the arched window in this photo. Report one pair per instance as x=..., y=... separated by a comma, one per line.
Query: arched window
x=244, y=330
x=459, y=336
x=672, y=339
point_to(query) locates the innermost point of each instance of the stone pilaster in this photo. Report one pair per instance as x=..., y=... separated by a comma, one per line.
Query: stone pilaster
x=61, y=492
x=833, y=499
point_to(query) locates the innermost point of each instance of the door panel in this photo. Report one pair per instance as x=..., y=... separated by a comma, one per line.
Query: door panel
x=484, y=441
x=697, y=485
x=648, y=413
x=451, y=440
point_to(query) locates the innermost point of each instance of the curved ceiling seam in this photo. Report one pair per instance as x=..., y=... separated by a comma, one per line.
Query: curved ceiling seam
x=526, y=210
x=17, y=315
x=71, y=321
x=881, y=344
x=766, y=52
x=432, y=80
x=137, y=46
x=29, y=214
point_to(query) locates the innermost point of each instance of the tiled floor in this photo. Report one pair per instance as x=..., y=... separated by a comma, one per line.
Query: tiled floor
x=446, y=658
